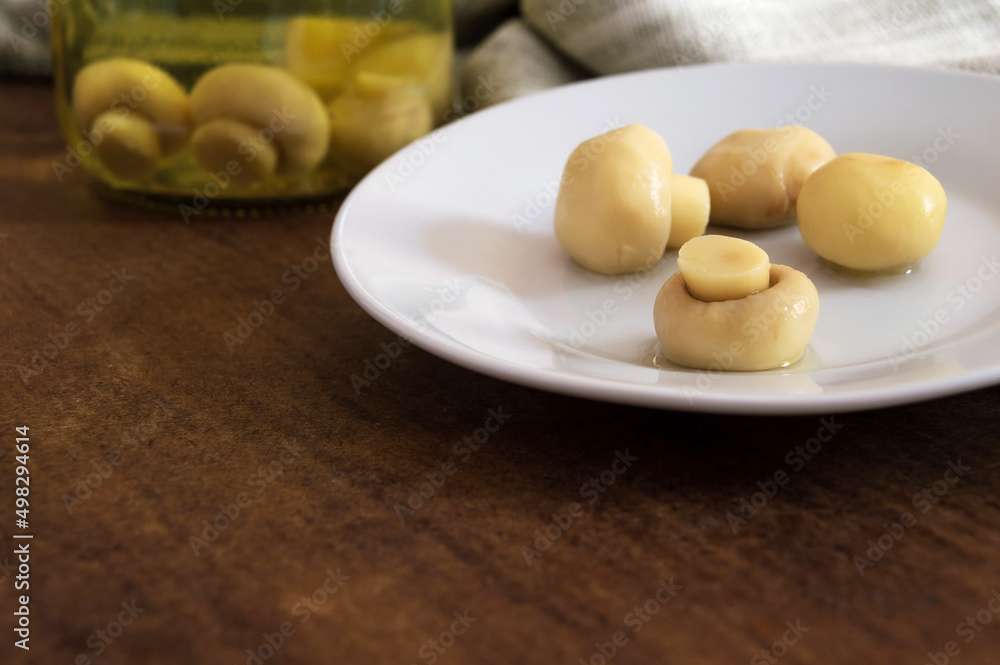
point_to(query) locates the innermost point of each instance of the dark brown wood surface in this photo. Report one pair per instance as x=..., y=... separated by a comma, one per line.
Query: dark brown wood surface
x=146, y=428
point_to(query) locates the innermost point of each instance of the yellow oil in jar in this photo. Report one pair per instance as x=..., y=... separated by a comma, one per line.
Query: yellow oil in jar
x=246, y=102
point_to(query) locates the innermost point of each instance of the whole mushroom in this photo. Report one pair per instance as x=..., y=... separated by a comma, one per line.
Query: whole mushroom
x=376, y=118
x=754, y=175
x=613, y=210
x=729, y=307
x=133, y=113
x=255, y=121
x=871, y=212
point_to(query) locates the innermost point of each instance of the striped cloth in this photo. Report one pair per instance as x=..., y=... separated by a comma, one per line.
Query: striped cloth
x=24, y=38
x=612, y=36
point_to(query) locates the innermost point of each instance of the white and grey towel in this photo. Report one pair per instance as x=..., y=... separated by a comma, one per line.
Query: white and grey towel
x=24, y=38
x=612, y=36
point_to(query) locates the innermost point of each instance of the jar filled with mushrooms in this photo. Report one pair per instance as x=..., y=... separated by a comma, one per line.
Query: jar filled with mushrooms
x=246, y=102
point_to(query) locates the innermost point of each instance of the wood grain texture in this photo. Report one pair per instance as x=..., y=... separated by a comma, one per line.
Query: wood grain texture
x=197, y=425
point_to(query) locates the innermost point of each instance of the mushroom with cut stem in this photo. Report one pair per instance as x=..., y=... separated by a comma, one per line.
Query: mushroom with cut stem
x=255, y=121
x=133, y=113
x=728, y=302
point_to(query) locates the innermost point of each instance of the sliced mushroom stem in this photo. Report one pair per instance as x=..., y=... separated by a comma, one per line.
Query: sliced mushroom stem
x=723, y=268
x=232, y=147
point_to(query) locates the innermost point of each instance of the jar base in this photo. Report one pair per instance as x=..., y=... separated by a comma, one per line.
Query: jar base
x=189, y=209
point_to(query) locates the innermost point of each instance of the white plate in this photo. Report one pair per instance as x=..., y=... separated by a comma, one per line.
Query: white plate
x=449, y=243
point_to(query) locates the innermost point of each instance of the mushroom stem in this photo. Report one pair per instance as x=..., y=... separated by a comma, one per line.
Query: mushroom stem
x=723, y=268
x=231, y=146
x=129, y=147
x=690, y=208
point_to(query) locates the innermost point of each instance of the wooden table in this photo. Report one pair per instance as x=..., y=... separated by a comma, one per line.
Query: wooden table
x=200, y=500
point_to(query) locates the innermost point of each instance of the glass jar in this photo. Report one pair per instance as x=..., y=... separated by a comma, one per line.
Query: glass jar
x=246, y=102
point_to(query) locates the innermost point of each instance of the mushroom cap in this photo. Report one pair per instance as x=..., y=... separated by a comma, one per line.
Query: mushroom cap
x=128, y=86
x=612, y=213
x=768, y=329
x=871, y=212
x=755, y=175
x=285, y=110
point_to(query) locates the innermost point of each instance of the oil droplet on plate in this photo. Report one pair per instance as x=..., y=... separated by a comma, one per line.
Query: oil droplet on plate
x=652, y=356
